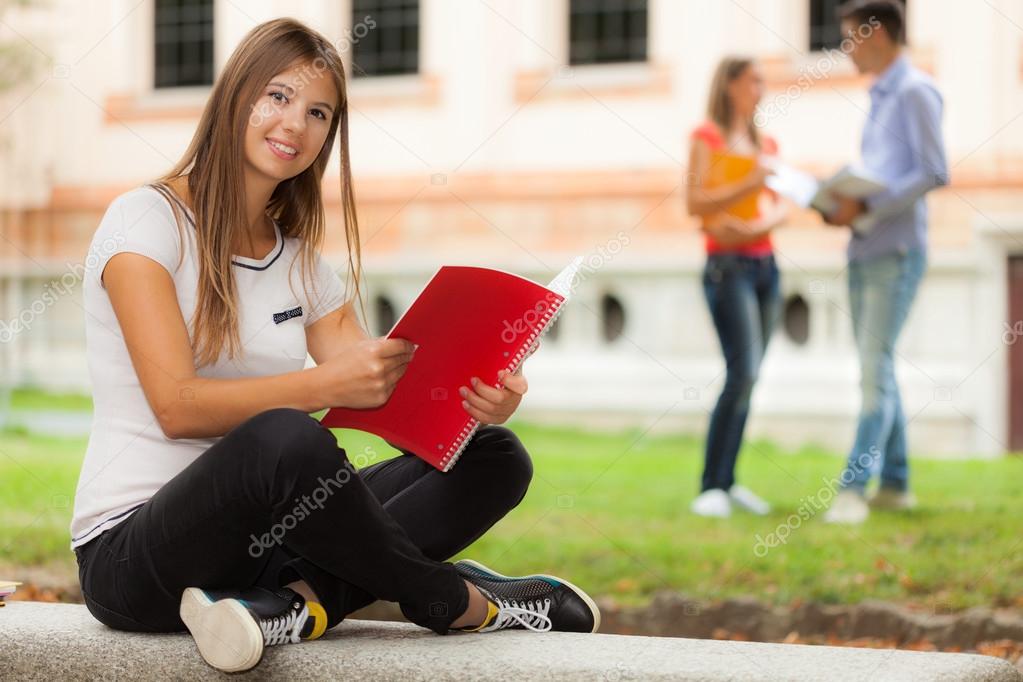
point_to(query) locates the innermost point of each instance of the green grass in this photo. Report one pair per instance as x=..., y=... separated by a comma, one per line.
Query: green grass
x=26, y=399
x=610, y=513
x=37, y=486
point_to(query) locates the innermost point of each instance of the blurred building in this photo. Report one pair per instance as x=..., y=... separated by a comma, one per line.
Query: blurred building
x=518, y=133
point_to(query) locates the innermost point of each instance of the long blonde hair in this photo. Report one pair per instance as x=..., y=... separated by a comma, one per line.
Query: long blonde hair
x=720, y=108
x=213, y=165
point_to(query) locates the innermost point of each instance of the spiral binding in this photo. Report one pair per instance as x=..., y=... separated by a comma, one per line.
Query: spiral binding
x=467, y=432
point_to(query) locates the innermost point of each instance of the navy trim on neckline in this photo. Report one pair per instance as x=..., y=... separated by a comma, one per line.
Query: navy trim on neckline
x=188, y=216
x=272, y=260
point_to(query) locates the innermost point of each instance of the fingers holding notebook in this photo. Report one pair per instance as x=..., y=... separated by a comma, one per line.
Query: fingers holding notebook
x=490, y=405
x=392, y=347
x=365, y=376
x=514, y=382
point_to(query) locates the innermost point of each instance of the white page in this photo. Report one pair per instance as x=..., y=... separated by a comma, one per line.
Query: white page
x=857, y=183
x=794, y=184
x=851, y=181
x=563, y=283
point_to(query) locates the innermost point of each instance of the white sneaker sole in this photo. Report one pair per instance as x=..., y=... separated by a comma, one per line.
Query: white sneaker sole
x=711, y=513
x=228, y=637
x=846, y=519
x=582, y=595
x=756, y=510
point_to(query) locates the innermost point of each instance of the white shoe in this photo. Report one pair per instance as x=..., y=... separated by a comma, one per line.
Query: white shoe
x=894, y=500
x=849, y=508
x=231, y=628
x=746, y=499
x=713, y=503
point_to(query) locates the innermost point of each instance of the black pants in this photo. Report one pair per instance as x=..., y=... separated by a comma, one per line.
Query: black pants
x=276, y=500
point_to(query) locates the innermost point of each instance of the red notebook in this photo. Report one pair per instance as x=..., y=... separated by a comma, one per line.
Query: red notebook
x=466, y=322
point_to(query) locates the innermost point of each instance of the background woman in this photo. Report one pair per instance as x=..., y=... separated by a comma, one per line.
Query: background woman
x=740, y=279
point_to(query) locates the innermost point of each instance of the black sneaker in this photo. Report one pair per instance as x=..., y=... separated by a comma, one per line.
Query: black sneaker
x=540, y=603
x=231, y=627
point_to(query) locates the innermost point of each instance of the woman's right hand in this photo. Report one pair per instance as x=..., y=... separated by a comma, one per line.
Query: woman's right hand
x=364, y=376
x=756, y=178
x=727, y=230
x=730, y=232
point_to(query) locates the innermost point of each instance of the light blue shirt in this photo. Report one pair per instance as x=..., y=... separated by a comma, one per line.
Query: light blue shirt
x=902, y=146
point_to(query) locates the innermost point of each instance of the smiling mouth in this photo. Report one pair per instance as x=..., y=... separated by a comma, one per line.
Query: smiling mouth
x=282, y=150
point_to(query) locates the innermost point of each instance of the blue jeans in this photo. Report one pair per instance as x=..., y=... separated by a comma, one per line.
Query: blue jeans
x=742, y=294
x=881, y=292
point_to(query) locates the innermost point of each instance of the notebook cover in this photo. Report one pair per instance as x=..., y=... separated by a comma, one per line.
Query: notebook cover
x=729, y=168
x=467, y=322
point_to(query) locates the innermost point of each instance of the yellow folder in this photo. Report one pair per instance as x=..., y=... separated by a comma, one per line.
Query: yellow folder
x=728, y=168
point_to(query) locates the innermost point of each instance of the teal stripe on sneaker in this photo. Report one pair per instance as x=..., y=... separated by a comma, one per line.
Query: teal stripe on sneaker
x=507, y=579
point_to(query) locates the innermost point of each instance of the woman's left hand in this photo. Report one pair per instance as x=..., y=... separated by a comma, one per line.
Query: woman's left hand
x=492, y=405
x=773, y=213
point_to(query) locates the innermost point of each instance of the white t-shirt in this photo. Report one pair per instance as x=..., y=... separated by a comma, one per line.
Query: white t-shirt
x=128, y=457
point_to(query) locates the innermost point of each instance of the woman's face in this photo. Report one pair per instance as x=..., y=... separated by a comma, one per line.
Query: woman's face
x=290, y=121
x=747, y=90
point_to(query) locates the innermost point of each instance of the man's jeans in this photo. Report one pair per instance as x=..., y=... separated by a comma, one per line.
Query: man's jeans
x=881, y=292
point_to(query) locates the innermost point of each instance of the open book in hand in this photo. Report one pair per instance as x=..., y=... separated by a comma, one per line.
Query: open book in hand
x=467, y=322
x=809, y=192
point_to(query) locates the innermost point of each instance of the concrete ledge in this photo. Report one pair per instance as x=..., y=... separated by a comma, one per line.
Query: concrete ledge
x=62, y=641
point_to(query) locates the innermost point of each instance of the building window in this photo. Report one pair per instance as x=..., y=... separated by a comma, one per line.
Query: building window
x=183, y=43
x=825, y=29
x=390, y=46
x=603, y=31
x=612, y=318
x=825, y=33
x=796, y=320
x=384, y=314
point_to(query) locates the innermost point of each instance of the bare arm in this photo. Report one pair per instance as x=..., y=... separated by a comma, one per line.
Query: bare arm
x=333, y=333
x=703, y=201
x=143, y=296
